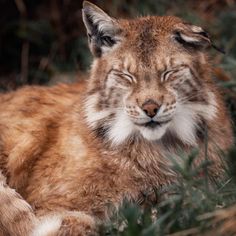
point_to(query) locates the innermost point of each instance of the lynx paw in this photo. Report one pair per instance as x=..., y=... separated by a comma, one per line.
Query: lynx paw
x=66, y=224
x=77, y=225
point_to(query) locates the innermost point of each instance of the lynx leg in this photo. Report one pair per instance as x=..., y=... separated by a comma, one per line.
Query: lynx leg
x=17, y=217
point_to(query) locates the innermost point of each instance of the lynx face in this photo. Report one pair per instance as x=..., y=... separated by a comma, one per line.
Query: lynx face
x=148, y=78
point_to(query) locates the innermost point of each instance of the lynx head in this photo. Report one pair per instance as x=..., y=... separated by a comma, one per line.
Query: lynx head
x=149, y=78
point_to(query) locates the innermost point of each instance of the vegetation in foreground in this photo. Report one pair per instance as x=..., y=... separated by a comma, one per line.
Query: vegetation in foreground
x=194, y=205
x=34, y=47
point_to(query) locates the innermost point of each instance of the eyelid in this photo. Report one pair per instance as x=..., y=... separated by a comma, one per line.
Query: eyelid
x=165, y=75
x=129, y=77
x=126, y=75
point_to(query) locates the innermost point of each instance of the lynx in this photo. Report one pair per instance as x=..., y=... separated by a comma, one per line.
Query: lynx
x=71, y=154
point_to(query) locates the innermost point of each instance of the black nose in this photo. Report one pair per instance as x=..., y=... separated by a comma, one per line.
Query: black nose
x=151, y=108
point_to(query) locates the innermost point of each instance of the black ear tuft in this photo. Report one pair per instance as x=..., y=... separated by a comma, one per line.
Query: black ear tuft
x=103, y=31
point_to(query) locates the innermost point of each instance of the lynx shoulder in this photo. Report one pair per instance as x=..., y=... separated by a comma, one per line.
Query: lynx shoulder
x=75, y=152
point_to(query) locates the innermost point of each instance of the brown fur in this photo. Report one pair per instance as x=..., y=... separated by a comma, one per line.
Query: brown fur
x=63, y=167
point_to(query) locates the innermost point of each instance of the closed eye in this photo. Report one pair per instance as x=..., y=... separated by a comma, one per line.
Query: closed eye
x=124, y=75
x=166, y=75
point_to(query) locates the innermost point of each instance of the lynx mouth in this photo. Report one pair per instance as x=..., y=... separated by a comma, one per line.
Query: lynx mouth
x=153, y=124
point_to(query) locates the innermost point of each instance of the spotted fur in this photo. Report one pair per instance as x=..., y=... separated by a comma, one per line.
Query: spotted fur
x=75, y=152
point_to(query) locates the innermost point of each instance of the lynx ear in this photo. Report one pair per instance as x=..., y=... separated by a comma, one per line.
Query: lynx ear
x=192, y=36
x=103, y=31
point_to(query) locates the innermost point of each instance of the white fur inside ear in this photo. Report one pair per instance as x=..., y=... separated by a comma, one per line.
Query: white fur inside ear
x=196, y=29
x=93, y=15
x=104, y=24
x=122, y=128
x=189, y=39
x=48, y=226
x=98, y=24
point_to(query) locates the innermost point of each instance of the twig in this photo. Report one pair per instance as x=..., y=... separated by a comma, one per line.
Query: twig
x=24, y=62
x=25, y=45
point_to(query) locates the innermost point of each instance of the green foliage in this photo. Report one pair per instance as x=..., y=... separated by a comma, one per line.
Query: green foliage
x=184, y=208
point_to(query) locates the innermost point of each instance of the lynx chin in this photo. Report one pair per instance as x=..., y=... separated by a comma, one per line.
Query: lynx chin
x=70, y=154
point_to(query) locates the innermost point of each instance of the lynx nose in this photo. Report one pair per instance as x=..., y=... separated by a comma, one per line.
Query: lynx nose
x=150, y=107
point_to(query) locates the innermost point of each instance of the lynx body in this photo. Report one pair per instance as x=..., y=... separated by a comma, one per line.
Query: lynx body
x=75, y=152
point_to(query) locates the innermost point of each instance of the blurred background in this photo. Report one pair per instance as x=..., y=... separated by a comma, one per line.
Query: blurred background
x=41, y=41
